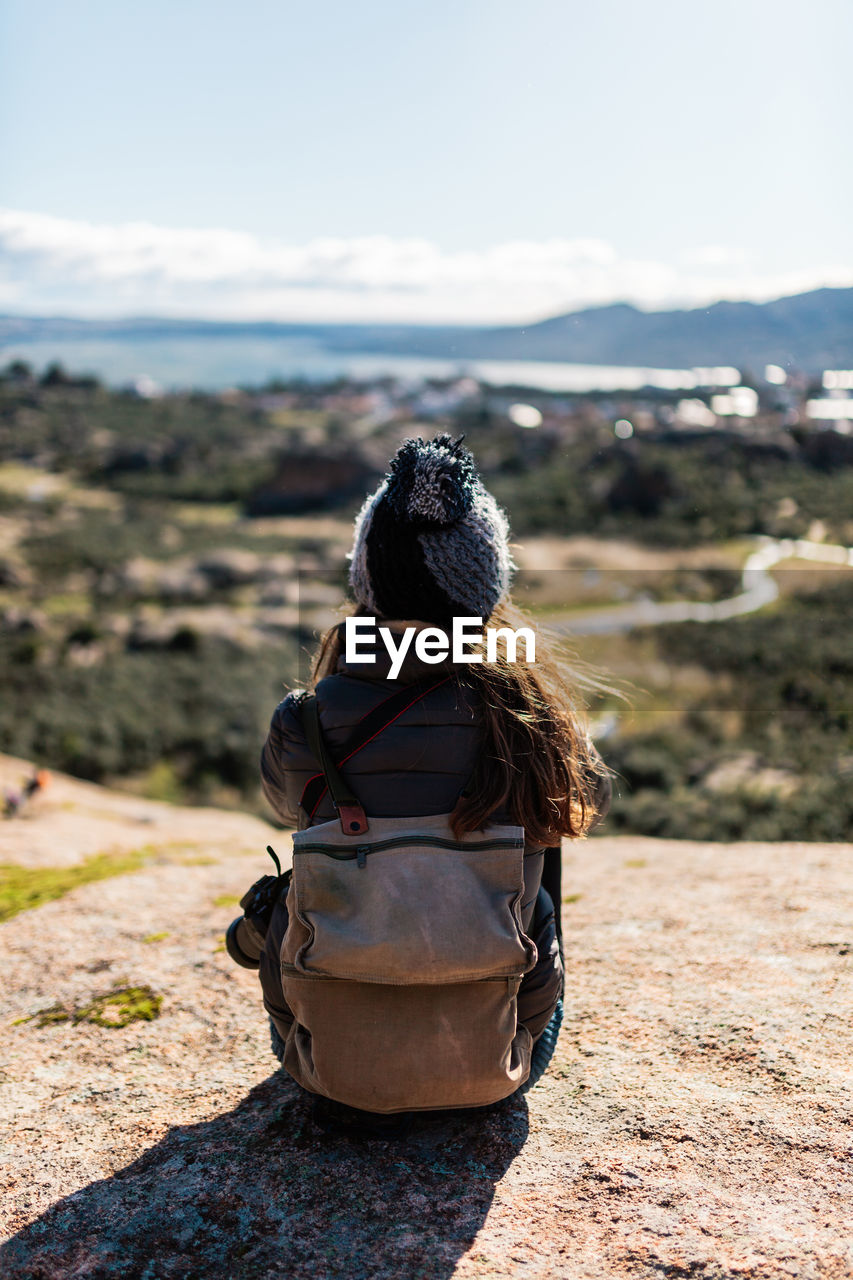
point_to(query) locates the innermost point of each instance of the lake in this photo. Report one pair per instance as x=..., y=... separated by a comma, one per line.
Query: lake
x=214, y=362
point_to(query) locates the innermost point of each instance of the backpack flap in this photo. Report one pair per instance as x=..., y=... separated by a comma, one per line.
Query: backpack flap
x=412, y=906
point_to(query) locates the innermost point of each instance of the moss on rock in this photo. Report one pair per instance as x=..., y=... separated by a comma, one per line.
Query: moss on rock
x=22, y=888
x=115, y=1008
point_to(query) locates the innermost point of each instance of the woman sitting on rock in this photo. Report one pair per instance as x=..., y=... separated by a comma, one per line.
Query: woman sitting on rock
x=415, y=960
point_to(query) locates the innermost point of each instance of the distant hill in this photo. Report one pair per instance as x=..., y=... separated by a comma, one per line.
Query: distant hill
x=810, y=332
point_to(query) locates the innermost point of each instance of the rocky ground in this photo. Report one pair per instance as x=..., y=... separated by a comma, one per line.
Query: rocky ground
x=695, y=1121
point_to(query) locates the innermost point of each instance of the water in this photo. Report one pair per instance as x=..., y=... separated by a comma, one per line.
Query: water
x=218, y=361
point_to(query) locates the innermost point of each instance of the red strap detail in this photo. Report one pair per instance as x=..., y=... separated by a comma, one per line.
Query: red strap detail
x=381, y=729
x=391, y=721
x=305, y=788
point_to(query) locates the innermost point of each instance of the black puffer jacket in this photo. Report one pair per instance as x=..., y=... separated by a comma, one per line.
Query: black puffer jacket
x=417, y=766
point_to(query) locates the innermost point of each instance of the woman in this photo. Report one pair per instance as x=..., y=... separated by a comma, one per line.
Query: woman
x=495, y=741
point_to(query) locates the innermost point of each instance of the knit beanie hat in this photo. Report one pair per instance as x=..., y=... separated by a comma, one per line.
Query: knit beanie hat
x=431, y=542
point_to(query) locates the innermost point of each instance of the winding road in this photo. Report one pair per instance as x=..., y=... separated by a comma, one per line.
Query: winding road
x=758, y=588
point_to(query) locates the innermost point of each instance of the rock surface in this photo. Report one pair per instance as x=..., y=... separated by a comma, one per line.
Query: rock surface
x=695, y=1120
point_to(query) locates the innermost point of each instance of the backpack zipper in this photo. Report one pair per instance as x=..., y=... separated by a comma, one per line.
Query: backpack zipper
x=361, y=852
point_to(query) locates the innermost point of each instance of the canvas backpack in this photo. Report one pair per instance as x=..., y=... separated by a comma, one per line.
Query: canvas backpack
x=404, y=950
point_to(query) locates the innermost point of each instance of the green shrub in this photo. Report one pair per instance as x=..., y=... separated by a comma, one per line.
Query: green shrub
x=790, y=681
x=205, y=712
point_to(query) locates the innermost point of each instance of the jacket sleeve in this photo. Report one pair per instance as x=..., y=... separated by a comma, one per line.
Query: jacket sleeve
x=285, y=744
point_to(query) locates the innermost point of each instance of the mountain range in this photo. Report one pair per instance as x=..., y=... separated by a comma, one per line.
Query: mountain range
x=809, y=332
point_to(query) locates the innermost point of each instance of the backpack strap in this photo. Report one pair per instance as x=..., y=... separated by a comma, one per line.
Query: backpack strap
x=352, y=816
x=370, y=725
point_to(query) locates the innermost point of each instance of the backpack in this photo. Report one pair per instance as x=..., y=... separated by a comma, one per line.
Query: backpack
x=404, y=950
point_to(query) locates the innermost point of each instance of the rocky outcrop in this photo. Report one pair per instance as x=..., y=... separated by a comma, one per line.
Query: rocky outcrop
x=693, y=1123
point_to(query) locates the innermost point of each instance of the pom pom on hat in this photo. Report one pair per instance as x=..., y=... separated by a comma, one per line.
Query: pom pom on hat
x=432, y=483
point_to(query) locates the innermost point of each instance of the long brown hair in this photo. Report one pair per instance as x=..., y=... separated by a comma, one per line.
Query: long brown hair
x=535, y=759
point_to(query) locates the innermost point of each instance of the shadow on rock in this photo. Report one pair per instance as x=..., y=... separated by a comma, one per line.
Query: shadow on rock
x=262, y=1192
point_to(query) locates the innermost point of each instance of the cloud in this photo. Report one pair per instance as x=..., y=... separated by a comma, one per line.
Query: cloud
x=54, y=265
x=714, y=255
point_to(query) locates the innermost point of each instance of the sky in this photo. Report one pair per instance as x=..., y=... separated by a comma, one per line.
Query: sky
x=463, y=160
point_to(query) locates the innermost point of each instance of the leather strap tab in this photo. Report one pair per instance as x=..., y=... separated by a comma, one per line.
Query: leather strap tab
x=353, y=819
